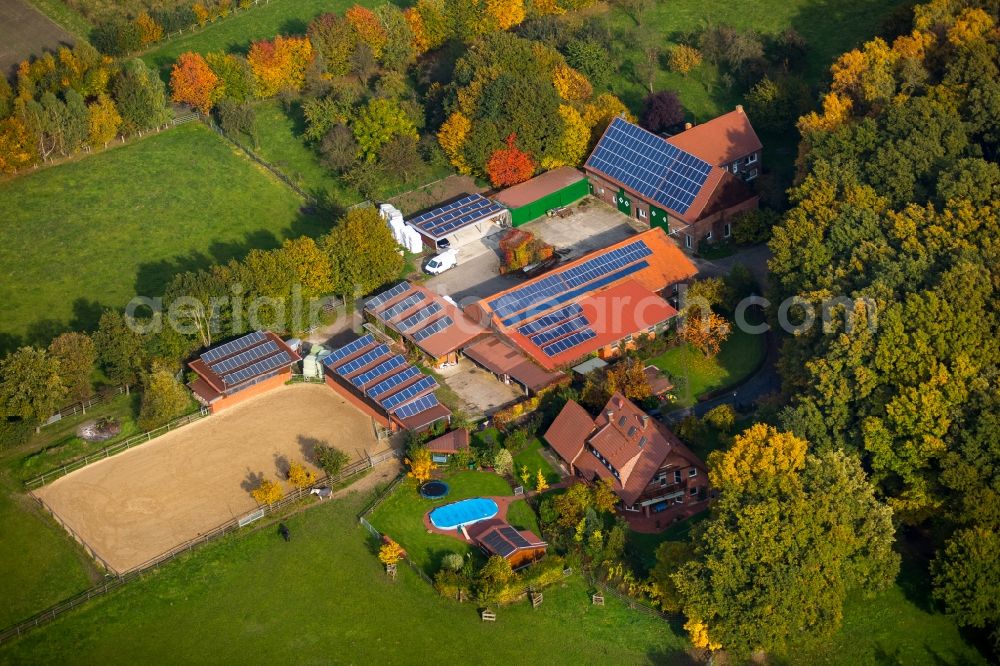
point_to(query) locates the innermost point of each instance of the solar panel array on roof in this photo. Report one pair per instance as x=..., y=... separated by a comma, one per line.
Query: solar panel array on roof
x=398, y=290
x=259, y=368
x=401, y=307
x=569, y=342
x=397, y=379
x=233, y=346
x=416, y=407
x=365, y=359
x=649, y=165
x=436, y=327
x=442, y=221
x=348, y=349
x=559, y=287
x=550, y=320
x=496, y=543
x=244, y=358
x=420, y=316
x=413, y=390
x=514, y=536
x=393, y=363
x=570, y=326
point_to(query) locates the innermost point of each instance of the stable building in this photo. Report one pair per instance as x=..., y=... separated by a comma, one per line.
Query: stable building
x=430, y=322
x=460, y=222
x=232, y=372
x=381, y=383
x=509, y=364
x=597, y=303
x=650, y=469
x=648, y=178
x=533, y=198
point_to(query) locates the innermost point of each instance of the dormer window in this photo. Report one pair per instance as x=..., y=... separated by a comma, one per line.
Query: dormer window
x=642, y=441
x=621, y=421
x=632, y=431
x=693, y=472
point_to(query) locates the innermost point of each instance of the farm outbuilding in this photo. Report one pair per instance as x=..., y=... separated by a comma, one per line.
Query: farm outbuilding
x=460, y=222
x=531, y=199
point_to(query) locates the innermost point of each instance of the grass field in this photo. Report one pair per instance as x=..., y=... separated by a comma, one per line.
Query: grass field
x=92, y=233
x=324, y=598
x=531, y=457
x=401, y=516
x=694, y=374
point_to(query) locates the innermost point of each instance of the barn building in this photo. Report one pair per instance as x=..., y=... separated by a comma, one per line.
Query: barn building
x=533, y=198
x=430, y=322
x=728, y=141
x=496, y=537
x=384, y=385
x=593, y=304
x=230, y=373
x=664, y=186
x=460, y=222
x=653, y=473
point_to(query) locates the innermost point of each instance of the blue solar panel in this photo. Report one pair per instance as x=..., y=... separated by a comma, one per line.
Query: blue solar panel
x=417, y=406
x=379, y=370
x=413, y=320
x=442, y=221
x=443, y=209
x=574, y=324
x=392, y=382
x=398, y=290
x=550, y=320
x=569, y=342
x=365, y=359
x=401, y=307
x=244, y=358
x=258, y=368
x=436, y=327
x=348, y=349
x=647, y=164
x=233, y=346
x=413, y=390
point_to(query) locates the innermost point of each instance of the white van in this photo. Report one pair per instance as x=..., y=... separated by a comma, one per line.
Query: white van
x=442, y=262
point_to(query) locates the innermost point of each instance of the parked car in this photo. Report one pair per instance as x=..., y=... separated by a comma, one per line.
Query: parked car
x=439, y=263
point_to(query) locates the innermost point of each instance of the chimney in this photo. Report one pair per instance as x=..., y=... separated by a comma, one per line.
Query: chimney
x=688, y=126
x=610, y=414
x=645, y=421
x=739, y=108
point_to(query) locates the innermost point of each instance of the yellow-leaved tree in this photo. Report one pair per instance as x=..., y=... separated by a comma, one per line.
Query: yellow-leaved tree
x=390, y=553
x=420, y=462
x=571, y=84
x=541, y=485
x=299, y=476
x=758, y=456
x=698, y=631
x=268, y=492
x=452, y=137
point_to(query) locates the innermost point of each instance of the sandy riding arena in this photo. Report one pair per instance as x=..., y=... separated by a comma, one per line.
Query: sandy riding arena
x=143, y=502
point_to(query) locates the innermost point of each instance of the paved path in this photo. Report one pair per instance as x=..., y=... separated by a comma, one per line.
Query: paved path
x=755, y=258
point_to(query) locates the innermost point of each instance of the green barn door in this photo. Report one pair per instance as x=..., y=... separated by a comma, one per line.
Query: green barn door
x=624, y=204
x=658, y=218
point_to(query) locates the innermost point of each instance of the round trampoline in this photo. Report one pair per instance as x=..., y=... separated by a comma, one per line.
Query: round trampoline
x=434, y=489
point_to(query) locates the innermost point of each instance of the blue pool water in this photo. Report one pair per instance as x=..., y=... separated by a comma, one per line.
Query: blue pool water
x=468, y=511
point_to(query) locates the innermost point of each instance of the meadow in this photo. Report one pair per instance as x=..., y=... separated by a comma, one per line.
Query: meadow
x=90, y=234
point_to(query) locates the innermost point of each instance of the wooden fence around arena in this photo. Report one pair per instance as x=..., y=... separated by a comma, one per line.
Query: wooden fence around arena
x=81, y=406
x=114, y=449
x=115, y=580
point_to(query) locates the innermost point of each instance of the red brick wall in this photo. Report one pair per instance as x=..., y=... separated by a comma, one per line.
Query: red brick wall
x=255, y=390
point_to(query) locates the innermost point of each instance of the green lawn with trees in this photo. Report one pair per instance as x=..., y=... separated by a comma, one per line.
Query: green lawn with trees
x=693, y=373
x=531, y=457
x=91, y=234
x=324, y=596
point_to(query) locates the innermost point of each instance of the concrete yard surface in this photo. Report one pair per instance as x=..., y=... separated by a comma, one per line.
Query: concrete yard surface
x=479, y=389
x=141, y=503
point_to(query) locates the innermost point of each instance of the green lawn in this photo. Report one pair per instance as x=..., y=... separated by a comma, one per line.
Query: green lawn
x=234, y=34
x=401, y=516
x=532, y=457
x=693, y=374
x=92, y=233
x=523, y=517
x=65, y=16
x=324, y=598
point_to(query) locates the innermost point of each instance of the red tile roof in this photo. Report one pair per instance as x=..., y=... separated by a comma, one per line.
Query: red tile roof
x=500, y=358
x=450, y=442
x=538, y=187
x=720, y=141
x=570, y=430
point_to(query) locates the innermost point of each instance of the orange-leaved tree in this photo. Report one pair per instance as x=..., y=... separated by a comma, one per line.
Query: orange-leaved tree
x=17, y=145
x=280, y=63
x=390, y=552
x=421, y=42
x=707, y=333
x=510, y=165
x=149, y=30
x=193, y=82
x=368, y=27
x=420, y=462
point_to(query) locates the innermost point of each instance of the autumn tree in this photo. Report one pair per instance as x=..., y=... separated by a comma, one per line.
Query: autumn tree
x=661, y=111
x=31, y=387
x=377, y=123
x=751, y=594
x=331, y=460
x=390, y=552
x=149, y=30
x=17, y=145
x=452, y=136
x=268, y=492
x=299, y=476
x=682, y=58
x=280, y=63
x=627, y=376
x=706, y=332
x=574, y=140
x=104, y=121
x=363, y=252
x=311, y=266
x=193, y=82
x=368, y=28
x=510, y=165
x=163, y=398
x=541, y=484
x=76, y=355
x=503, y=462
x=571, y=84
x=420, y=462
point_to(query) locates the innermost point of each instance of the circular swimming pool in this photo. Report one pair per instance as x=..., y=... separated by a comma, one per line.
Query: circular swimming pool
x=464, y=512
x=434, y=489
